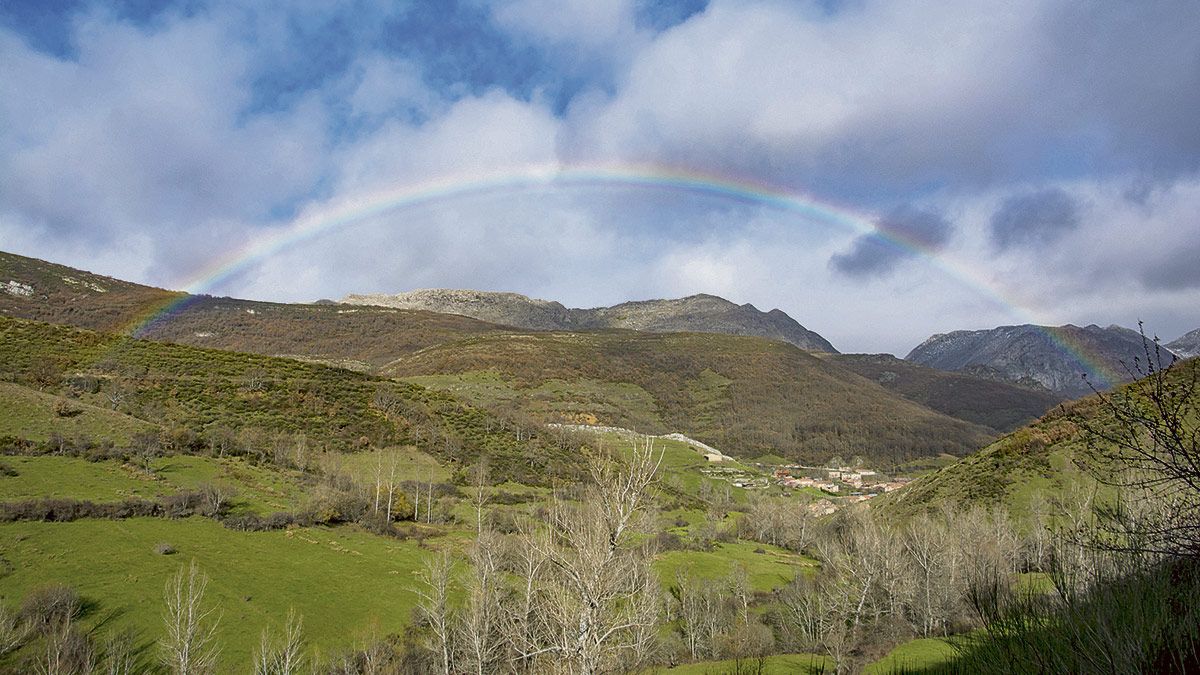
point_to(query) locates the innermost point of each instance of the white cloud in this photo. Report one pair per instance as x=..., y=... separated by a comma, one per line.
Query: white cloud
x=150, y=155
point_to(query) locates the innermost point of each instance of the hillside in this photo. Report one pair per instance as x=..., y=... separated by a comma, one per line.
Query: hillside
x=697, y=313
x=1037, y=463
x=1186, y=346
x=43, y=291
x=746, y=396
x=205, y=396
x=1001, y=406
x=1051, y=356
x=362, y=338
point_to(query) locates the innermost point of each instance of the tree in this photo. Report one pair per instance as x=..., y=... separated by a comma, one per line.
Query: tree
x=189, y=645
x=434, y=606
x=602, y=599
x=480, y=636
x=285, y=655
x=1150, y=449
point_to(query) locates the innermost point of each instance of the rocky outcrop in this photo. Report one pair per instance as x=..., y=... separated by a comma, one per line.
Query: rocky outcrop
x=1054, y=357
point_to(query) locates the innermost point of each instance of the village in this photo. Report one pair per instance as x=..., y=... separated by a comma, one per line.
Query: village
x=855, y=483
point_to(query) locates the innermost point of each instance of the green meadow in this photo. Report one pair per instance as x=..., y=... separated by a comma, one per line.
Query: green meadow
x=347, y=585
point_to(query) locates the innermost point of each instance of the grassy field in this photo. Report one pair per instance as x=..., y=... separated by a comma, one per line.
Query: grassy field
x=31, y=414
x=914, y=656
x=773, y=568
x=344, y=583
x=259, y=490
x=780, y=664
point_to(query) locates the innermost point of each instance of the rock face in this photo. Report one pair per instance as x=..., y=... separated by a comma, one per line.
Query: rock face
x=696, y=313
x=1053, y=357
x=1186, y=346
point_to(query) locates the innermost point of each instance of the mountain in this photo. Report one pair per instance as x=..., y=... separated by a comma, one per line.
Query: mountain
x=747, y=396
x=697, y=313
x=1053, y=357
x=1186, y=346
x=998, y=405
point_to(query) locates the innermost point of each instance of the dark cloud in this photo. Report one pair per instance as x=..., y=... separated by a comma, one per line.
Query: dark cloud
x=1034, y=218
x=1178, y=271
x=897, y=235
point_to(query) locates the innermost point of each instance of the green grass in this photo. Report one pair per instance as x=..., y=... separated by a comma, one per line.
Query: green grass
x=28, y=413
x=411, y=464
x=259, y=489
x=345, y=583
x=779, y=664
x=914, y=656
x=774, y=568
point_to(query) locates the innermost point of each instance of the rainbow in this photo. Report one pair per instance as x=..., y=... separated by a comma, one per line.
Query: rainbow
x=332, y=217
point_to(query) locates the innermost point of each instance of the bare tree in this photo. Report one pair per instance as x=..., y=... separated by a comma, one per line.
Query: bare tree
x=189, y=645
x=935, y=575
x=434, y=606
x=68, y=651
x=480, y=497
x=285, y=655
x=1148, y=445
x=602, y=597
x=119, y=654
x=479, y=625
x=13, y=631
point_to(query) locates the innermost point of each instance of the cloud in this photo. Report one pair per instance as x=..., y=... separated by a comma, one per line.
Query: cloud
x=1034, y=219
x=880, y=100
x=898, y=236
x=151, y=146
x=1180, y=270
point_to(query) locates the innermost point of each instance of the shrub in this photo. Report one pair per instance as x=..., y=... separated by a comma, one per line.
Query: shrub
x=50, y=605
x=6, y=469
x=65, y=408
x=163, y=548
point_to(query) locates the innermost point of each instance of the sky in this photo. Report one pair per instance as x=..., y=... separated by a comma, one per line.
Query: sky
x=879, y=170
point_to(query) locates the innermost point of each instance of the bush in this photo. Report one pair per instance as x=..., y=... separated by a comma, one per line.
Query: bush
x=51, y=605
x=669, y=541
x=6, y=469
x=163, y=548
x=65, y=408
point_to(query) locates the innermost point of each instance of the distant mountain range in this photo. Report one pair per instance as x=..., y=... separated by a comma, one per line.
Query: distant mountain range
x=1053, y=357
x=696, y=313
x=1186, y=346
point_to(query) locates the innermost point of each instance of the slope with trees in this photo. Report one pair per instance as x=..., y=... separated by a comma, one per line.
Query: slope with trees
x=747, y=396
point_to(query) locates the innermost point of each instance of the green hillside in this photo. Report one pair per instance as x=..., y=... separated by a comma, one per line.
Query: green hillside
x=1001, y=406
x=37, y=415
x=1023, y=470
x=747, y=396
x=204, y=396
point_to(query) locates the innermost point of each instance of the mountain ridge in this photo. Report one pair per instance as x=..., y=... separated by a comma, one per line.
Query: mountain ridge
x=701, y=313
x=1054, y=357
